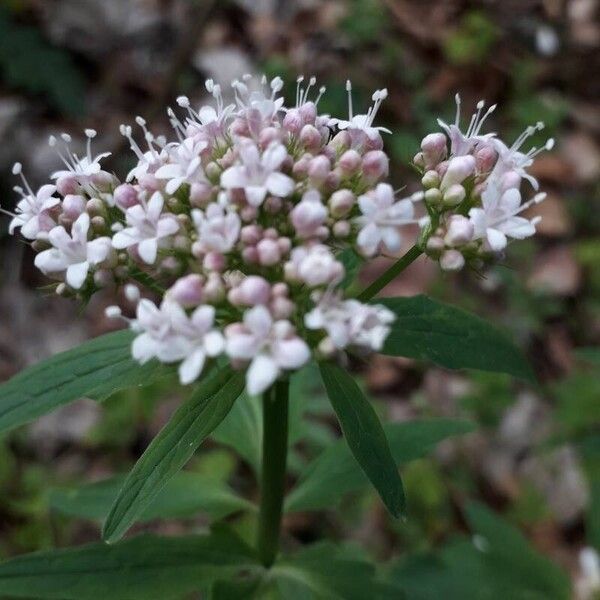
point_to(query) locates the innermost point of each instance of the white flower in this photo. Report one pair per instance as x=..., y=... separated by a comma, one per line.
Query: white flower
x=587, y=583
x=363, y=123
x=151, y=160
x=314, y=265
x=198, y=338
x=82, y=168
x=497, y=219
x=269, y=346
x=381, y=218
x=259, y=175
x=350, y=322
x=218, y=229
x=147, y=227
x=157, y=336
x=73, y=253
x=264, y=107
x=32, y=210
x=461, y=143
x=184, y=166
x=512, y=160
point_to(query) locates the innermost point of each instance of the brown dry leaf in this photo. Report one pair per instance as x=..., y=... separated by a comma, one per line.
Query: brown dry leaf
x=556, y=221
x=556, y=272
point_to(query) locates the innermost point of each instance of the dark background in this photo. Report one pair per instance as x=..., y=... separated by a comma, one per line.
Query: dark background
x=70, y=64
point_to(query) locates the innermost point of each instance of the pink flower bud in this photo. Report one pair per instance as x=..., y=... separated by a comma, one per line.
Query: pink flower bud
x=419, y=160
x=341, y=229
x=126, y=196
x=460, y=231
x=341, y=141
x=200, y=194
x=341, y=203
x=103, y=181
x=187, y=291
x=285, y=245
x=452, y=260
x=251, y=234
x=308, y=111
x=94, y=206
x=72, y=206
x=282, y=308
x=349, y=162
x=375, y=165
x=454, y=195
x=434, y=149
x=308, y=215
x=459, y=168
x=268, y=135
x=67, y=185
x=318, y=169
x=435, y=246
x=150, y=183
x=300, y=168
x=280, y=289
x=271, y=233
x=332, y=182
x=239, y=127
x=248, y=213
x=214, y=261
x=250, y=255
x=310, y=137
x=254, y=290
x=273, y=205
x=485, y=159
x=268, y=252
x=293, y=121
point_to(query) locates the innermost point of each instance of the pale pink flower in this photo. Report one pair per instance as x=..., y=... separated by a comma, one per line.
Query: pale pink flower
x=73, y=253
x=269, y=346
x=314, y=265
x=218, y=228
x=184, y=165
x=382, y=217
x=259, y=174
x=148, y=227
x=308, y=215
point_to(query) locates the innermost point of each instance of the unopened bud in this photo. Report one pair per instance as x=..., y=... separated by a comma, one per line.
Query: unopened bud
x=435, y=246
x=318, y=169
x=460, y=231
x=268, y=252
x=434, y=149
x=485, y=159
x=341, y=203
x=72, y=206
x=310, y=137
x=454, y=195
x=431, y=179
x=254, y=290
x=214, y=261
x=125, y=196
x=308, y=111
x=452, y=260
x=293, y=122
x=375, y=165
x=94, y=206
x=349, y=162
x=341, y=229
x=459, y=168
x=433, y=196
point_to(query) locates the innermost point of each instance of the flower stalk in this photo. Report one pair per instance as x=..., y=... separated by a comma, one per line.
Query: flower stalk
x=272, y=476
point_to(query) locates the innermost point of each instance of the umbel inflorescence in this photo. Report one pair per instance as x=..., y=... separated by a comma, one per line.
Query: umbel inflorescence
x=239, y=223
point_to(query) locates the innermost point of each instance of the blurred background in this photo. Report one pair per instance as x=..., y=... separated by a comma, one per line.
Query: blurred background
x=66, y=65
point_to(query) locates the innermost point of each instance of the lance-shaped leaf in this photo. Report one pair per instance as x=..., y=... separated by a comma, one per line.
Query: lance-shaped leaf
x=170, y=450
x=146, y=567
x=185, y=495
x=364, y=435
x=450, y=337
x=334, y=472
x=95, y=369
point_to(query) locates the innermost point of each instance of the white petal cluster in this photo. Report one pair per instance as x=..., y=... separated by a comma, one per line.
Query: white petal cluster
x=234, y=227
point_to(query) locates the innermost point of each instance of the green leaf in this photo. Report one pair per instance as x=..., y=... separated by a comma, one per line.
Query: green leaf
x=335, y=472
x=241, y=430
x=450, y=337
x=326, y=572
x=185, y=495
x=364, y=435
x=146, y=567
x=173, y=447
x=95, y=369
x=501, y=564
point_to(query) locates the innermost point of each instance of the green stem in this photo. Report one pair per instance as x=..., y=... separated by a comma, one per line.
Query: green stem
x=390, y=274
x=272, y=476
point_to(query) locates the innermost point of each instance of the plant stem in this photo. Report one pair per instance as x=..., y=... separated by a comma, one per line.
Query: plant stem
x=272, y=476
x=390, y=274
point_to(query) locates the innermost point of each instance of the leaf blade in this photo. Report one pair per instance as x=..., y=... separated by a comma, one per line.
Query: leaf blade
x=335, y=473
x=173, y=447
x=143, y=567
x=364, y=435
x=450, y=337
x=96, y=369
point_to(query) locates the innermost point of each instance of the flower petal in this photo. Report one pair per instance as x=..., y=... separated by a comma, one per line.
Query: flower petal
x=261, y=374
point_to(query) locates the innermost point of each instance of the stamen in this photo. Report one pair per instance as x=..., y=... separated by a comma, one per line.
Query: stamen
x=349, y=91
x=457, y=100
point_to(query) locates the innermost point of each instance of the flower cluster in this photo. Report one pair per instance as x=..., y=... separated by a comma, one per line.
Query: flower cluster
x=239, y=222
x=472, y=182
